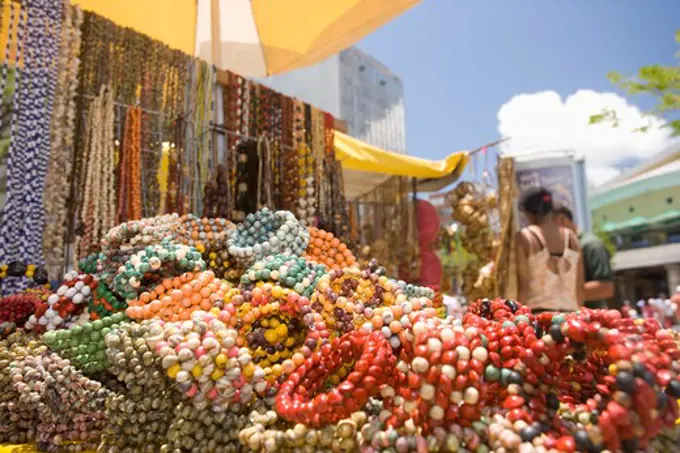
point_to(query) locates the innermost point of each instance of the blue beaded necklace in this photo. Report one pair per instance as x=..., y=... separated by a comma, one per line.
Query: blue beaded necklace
x=23, y=216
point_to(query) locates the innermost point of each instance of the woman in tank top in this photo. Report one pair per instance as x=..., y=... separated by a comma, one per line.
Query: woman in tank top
x=549, y=264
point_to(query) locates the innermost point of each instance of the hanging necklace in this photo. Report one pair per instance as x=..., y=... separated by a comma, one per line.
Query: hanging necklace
x=23, y=218
x=57, y=185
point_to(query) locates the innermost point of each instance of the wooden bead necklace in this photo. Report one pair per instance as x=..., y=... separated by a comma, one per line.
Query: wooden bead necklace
x=130, y=170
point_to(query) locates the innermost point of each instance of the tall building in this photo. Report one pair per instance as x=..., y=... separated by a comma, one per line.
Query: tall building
x=640, y=211
x=357, y=89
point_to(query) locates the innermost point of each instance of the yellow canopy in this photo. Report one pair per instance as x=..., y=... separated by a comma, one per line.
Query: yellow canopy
x=365, y=166
x=170, y=21
x=256, y=37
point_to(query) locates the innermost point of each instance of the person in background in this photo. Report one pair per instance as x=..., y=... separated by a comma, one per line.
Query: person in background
x=549, y=265
x=599, y=279
x=675, y=301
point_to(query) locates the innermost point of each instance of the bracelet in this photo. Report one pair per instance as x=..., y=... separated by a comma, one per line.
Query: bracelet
x=300, y=398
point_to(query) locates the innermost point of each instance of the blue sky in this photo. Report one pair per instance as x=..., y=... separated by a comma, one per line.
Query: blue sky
x=461, y=60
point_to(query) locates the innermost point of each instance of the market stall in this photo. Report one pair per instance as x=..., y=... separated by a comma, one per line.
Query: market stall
x=216, y=304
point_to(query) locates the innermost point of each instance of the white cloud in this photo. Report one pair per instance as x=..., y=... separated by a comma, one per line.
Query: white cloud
x=543, y=122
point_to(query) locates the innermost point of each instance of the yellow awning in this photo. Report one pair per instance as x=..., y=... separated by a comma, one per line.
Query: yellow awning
x=365, y=166
x=170, y=21
x=257, y=37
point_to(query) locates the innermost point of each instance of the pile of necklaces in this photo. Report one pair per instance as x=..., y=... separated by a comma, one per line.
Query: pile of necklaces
x=295, y=356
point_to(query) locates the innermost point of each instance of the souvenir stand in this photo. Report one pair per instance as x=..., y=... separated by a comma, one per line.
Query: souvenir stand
x=215, y=303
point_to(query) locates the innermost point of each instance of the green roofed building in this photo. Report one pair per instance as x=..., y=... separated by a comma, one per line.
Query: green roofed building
x=640, y=211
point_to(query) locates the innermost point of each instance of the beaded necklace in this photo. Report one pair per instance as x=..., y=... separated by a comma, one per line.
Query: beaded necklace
x=130, y=177
x=216, y=195
x=57, y=185
x=97, y=212
x=23, y=218
x=277, y=137
x=318, y=154
x=10, y=222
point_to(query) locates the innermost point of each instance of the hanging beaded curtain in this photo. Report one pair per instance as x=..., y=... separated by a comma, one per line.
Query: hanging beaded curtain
x=57, y=184
x=38, y=28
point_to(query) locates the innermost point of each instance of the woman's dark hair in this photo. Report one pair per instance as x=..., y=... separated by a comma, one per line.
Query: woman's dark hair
x=537, y=201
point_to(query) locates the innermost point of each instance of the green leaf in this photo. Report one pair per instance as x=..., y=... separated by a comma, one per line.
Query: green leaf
x=662, y=82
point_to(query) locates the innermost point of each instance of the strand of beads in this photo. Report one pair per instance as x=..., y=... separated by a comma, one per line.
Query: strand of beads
x=18, y=308
x=44, y=84
x=98, y=199
x=105, y=302
x=301, y=398
x=202, y=232
x=347, y=297
x=289, y=271
x=84, y=345
x=66, y=306
x=396, y=322
x=71, y=406
x=139, y=233
x=209, y=236
x=203, y=358
x=140, y=415
x=17, y=155
x=267, y=233
x=205, y=430
x=264, y=434
x=18, y=416
x=279, y=328
x=57, y=185
x=130, y=189
x=174, y=299
x=153, y=262
x=217, y=260
x=326, y=249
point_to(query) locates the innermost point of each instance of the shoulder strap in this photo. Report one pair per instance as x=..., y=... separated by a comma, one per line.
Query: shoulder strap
x=538, y=237
x=566, y=240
